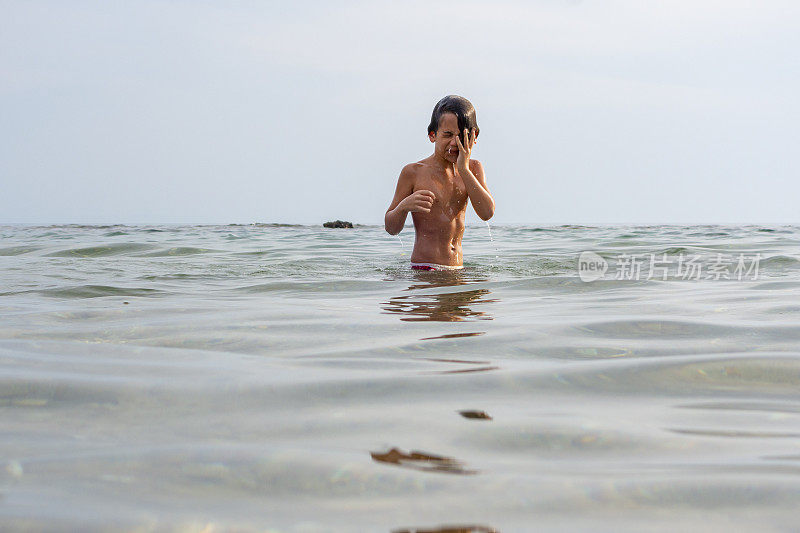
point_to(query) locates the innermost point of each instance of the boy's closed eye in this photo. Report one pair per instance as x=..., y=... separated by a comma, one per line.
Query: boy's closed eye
x=450, y=134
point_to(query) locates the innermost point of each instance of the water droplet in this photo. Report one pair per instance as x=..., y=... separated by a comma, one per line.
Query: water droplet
x=496, y=251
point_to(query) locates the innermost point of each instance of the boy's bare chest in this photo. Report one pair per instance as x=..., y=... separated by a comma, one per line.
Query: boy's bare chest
x=450, y=191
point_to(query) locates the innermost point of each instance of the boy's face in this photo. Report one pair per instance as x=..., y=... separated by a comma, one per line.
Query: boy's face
x=445, y=137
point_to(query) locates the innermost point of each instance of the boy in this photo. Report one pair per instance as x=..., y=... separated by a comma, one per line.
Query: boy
x=435, y=190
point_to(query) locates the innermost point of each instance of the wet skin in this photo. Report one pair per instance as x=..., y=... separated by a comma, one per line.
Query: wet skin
x=435, y=191
x=439, y=231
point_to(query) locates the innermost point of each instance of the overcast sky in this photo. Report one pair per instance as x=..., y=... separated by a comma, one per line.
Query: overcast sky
x=299, y=112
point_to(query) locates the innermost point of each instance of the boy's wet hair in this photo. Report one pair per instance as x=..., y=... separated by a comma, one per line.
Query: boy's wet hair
x=461, y=108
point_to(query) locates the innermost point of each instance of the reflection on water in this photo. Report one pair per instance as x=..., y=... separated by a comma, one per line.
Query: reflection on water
x=486, y=365
x=450, y=529
x=441, y=307
x=475, y=415
x=444, y=278
x=466, y=370
x=447, y=307
x=454, y=336
x=738, y=434
x=422, y=461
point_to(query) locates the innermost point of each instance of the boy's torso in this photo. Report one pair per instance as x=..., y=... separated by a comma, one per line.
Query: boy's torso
x=439, y=232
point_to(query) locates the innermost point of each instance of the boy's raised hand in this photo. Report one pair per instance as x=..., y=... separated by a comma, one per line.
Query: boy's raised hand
x=465, y=151
x=418, y=202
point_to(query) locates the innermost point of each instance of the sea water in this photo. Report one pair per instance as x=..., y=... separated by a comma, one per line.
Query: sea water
x=296, y=378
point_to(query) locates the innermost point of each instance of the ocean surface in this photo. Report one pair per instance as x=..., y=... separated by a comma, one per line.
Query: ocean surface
x=300, y=379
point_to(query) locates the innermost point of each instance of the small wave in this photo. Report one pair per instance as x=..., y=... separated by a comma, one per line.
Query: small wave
x=17, y=250
x=779, y=261
x=783, y=309
x=674, y=250
x=257, y=252
x=735, y=433
x=622, y=243
x=84, y=226
x=709, y=234
x=735, y=405
x=299, y=288
x=567, y=284
x=176, y=276
x=276, y=225
x=776, y=285
x=538, y=230
x=102, y=251
x=97, y=291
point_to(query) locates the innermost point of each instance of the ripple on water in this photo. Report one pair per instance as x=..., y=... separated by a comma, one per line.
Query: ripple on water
x=768, y=374
x=179, y=251
x=230, y=470
x=738, y=405
x=663, y=329
x=297, y=376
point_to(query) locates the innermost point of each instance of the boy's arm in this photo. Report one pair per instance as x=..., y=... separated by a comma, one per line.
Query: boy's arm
x=406, y=201
x=471, y=171
x=475, y=182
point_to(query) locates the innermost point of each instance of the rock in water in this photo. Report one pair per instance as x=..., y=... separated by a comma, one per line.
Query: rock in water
x=338, y=224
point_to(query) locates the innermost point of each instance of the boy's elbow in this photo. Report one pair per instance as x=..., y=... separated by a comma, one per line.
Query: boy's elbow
x=388, y=227
x=488, y=212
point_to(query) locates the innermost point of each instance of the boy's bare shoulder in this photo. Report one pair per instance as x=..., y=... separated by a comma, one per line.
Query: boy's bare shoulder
x=477, y=168
x=474, y=165
x=413, y=167
x=411, y=170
